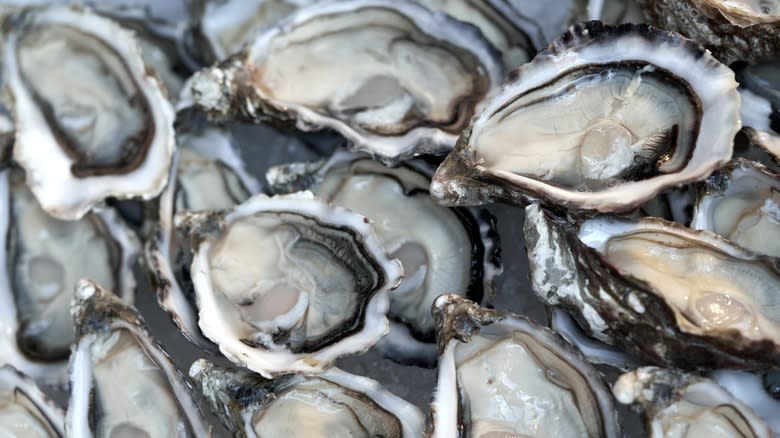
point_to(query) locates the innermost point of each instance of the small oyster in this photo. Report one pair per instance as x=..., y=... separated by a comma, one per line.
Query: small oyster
x=122, y=382
x=25, y=411
x=502, y=375
x=741, y=202
x=109, y=132
x=288, y=284
x=331, y=404
x=669, y=294
x=605, y=119
x=676, y=404
x=406, y=85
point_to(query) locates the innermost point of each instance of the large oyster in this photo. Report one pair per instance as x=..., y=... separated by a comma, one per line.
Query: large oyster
x=288, y=284
x=604, y=119
x=109, y=132
x=676, y=404
x=207, y=174
x=25, y=411
x=122, y=382
x=502, y=375
x=667, y=293
x=43, y=259
x=331, y=404
x=440, y=249
x=404, y=85
x=741, y=202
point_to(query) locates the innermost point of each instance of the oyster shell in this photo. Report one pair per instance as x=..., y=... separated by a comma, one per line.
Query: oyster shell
x=666, y=293
x=676, y=404
x=502, y=375
x=741, y=202
x=109, y=133
x=122, y=382
x=440, y=249
x=334, y=403
x=637, y=119
x=25, y=411
x=288, y=284
x=404, y=86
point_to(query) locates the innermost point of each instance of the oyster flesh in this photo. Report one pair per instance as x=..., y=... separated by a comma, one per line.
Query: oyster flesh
x=331, y=404
x=394, y=78
x=604, y=119
x=288, y=284
x=122, y=382
x=502, y=375
x=109, y=132
x=25, y=411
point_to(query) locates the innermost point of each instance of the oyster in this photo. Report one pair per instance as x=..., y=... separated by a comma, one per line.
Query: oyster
x=108, y=133
x=406, y=85
x=440, y=249
x=741, y=202
x=760, y=109
x=332, y=404
x=676, y=404
x=44, y=258
x=122, y=382
x=206, y=174
x=288, y=284
x=637, y=119
x=669, y=294
x=502, y=375
x=25, y=411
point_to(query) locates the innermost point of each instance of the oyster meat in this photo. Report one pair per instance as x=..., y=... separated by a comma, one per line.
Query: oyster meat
x=605, y=119
x=25, y=411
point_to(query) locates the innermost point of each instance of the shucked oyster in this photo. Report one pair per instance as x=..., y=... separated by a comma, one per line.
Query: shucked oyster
x=83, y=99
x=288, y=284
x=502, y=375
x=122, y=382
x=604, y=119
x=44, y=258
x=676, y=404
x=331, y=404
x=441, y=249
x=25, y=411
x=404, y=85
x=669, y=294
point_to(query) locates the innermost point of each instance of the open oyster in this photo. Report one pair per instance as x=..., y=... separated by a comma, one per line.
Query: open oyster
x=440, y=249
x=676, y=404
x=405, y=85
x=502, y=375
x=25, y=411
x=44, y=258
x=331, y=404
x=207, y=174
x=122, y=382
x=604, y=119
x=109, y=132
x=670, y=294
x=741, y=202
x=288, y=284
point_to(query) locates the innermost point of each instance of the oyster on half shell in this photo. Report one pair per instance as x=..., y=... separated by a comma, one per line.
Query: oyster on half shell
x=25, y=411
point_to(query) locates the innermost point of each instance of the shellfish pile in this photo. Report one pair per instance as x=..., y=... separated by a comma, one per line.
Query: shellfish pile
x=336, y=204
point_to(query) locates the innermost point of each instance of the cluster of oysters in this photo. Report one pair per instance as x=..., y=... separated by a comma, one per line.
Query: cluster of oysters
x=638, y=139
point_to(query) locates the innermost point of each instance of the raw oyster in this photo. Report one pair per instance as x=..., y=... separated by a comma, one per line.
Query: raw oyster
x=669, y=294
x=604, y=119
x=405, y=85
x=502, y=375
x=44, y=258
x=122, y=382
x=741, y=202
x=760, y=110
x=332, y=404
x=25, y=411
x=108, y=133
x=440, y=249
x=288, y=284
x=676, y=404
x=207, y=174
x=735, y=30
